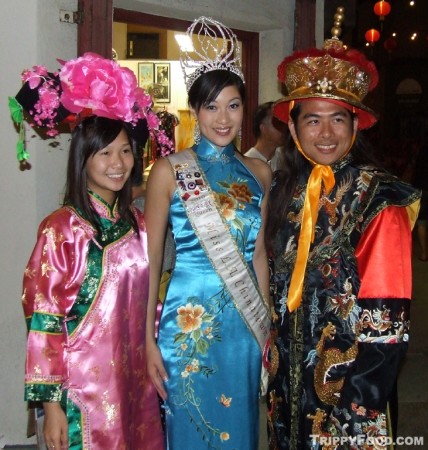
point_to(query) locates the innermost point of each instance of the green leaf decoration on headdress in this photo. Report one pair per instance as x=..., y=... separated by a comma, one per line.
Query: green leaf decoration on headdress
x=17, y=115
x=21, y=153
x=15, y=110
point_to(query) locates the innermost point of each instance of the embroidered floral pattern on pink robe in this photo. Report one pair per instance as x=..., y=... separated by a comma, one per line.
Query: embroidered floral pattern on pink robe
x=85, y=300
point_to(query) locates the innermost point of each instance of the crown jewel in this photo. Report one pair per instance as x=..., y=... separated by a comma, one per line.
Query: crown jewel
x=217, y=49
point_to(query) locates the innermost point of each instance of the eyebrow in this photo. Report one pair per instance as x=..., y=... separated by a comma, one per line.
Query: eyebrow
x=335, y=114
x=231, y=100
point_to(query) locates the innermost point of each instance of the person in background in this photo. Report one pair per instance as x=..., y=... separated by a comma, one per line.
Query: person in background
x=86, y=284
x=206, y=363
x=340, y=230
x=270, y=136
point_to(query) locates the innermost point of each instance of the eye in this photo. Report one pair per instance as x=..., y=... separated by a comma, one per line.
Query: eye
x=210, y=107
x=103, y=152
x=234, y=105
x=313, y=122
x=339, y=119
x=127, y=150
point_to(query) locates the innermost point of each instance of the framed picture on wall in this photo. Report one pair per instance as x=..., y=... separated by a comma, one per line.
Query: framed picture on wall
x=162, y=86
x=146, y=75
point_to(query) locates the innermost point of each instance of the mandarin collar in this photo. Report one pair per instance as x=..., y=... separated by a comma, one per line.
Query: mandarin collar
x=336, y=166
x=207, y=150
x=103, y=208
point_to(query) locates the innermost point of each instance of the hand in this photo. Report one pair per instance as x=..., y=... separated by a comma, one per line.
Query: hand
x=156, y=368
x=55, y=426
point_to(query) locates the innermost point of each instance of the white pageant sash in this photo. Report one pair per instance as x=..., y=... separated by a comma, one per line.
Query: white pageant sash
x=215, y=238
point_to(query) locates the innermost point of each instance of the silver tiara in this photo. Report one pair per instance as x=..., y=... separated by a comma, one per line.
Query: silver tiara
x=218, y=50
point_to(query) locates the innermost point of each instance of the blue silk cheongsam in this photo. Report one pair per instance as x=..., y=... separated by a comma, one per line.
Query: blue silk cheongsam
x=212, y=358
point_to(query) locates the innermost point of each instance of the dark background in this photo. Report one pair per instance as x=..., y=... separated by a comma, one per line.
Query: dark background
x=401, y=97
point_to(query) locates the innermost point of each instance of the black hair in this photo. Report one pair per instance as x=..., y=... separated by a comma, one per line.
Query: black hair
x=208, y=86
x=291, y=164
x=91, y=135
x=262, y=111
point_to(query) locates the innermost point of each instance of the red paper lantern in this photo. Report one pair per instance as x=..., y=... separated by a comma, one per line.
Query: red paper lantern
x=382, y=9
x=372, y=36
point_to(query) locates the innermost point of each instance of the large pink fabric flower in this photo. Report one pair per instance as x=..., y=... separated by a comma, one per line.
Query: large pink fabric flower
x=104, y=87
x=90, y=85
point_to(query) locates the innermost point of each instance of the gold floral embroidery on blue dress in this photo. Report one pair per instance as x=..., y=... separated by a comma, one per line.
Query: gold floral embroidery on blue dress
x=212, y=394
x=236, y=197
x=197, y=330
x=198, y=333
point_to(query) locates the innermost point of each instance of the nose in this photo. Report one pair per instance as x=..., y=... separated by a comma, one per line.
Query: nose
x=326, y=129
x=117, y=161
x=223, y=116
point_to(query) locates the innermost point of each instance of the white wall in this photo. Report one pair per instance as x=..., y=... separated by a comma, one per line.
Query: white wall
x=30, y=33
x=274, y=19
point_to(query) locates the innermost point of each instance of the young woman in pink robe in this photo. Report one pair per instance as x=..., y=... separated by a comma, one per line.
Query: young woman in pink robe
x=84, y=297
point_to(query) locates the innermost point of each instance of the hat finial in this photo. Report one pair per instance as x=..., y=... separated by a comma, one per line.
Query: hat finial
x=336, y=31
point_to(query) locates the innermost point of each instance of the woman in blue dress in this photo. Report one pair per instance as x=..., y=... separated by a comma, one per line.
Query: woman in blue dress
x=206, y=362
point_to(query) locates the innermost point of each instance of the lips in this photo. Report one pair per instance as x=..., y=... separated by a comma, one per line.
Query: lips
x=326, y=148
x=223, y=131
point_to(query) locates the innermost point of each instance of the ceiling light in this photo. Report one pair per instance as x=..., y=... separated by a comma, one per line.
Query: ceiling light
x=184, y=42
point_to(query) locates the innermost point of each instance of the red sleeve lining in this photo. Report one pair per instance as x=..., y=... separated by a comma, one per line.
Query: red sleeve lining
x=384, y=256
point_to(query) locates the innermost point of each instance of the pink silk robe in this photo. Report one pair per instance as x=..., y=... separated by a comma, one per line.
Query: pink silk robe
x=85, y=306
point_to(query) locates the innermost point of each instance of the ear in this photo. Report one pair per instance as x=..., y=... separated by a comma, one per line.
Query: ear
x=193, y=113
x=262, y=127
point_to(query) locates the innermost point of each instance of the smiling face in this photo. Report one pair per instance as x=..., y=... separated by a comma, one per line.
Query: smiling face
x=108, y=169
x=220, y=120
x=325, y=130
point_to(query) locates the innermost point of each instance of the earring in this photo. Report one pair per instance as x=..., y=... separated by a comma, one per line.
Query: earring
x=239, y=135
x=196, y=133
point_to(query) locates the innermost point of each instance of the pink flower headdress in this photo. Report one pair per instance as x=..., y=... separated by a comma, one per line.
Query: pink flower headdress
x=87, y=85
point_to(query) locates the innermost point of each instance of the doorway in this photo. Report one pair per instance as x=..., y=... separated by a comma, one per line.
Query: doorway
x=95, y=34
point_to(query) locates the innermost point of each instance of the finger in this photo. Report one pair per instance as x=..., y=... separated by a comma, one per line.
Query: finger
x=159, y=384
x=160, y=388
x=50, y=443
x=161, y=372
x=64, y=441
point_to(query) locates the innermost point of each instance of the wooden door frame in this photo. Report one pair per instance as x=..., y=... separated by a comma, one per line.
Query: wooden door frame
x=95, y=34
x=95, y=29
x=304, y=24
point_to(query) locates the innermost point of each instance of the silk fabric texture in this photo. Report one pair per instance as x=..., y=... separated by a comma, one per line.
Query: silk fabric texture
x=335, y=359
x=84, y=300
x=212, y=358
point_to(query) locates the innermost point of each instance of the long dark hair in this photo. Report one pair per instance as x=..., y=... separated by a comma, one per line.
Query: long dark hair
x=91, y=135
x=207, y=86
x=293, y=163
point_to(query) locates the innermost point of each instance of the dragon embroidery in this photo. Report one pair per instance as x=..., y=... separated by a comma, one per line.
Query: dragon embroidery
x=377, y=320
x=329, y=390
x=330, y=205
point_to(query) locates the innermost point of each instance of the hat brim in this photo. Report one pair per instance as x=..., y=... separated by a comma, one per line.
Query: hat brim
x=366, y=116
